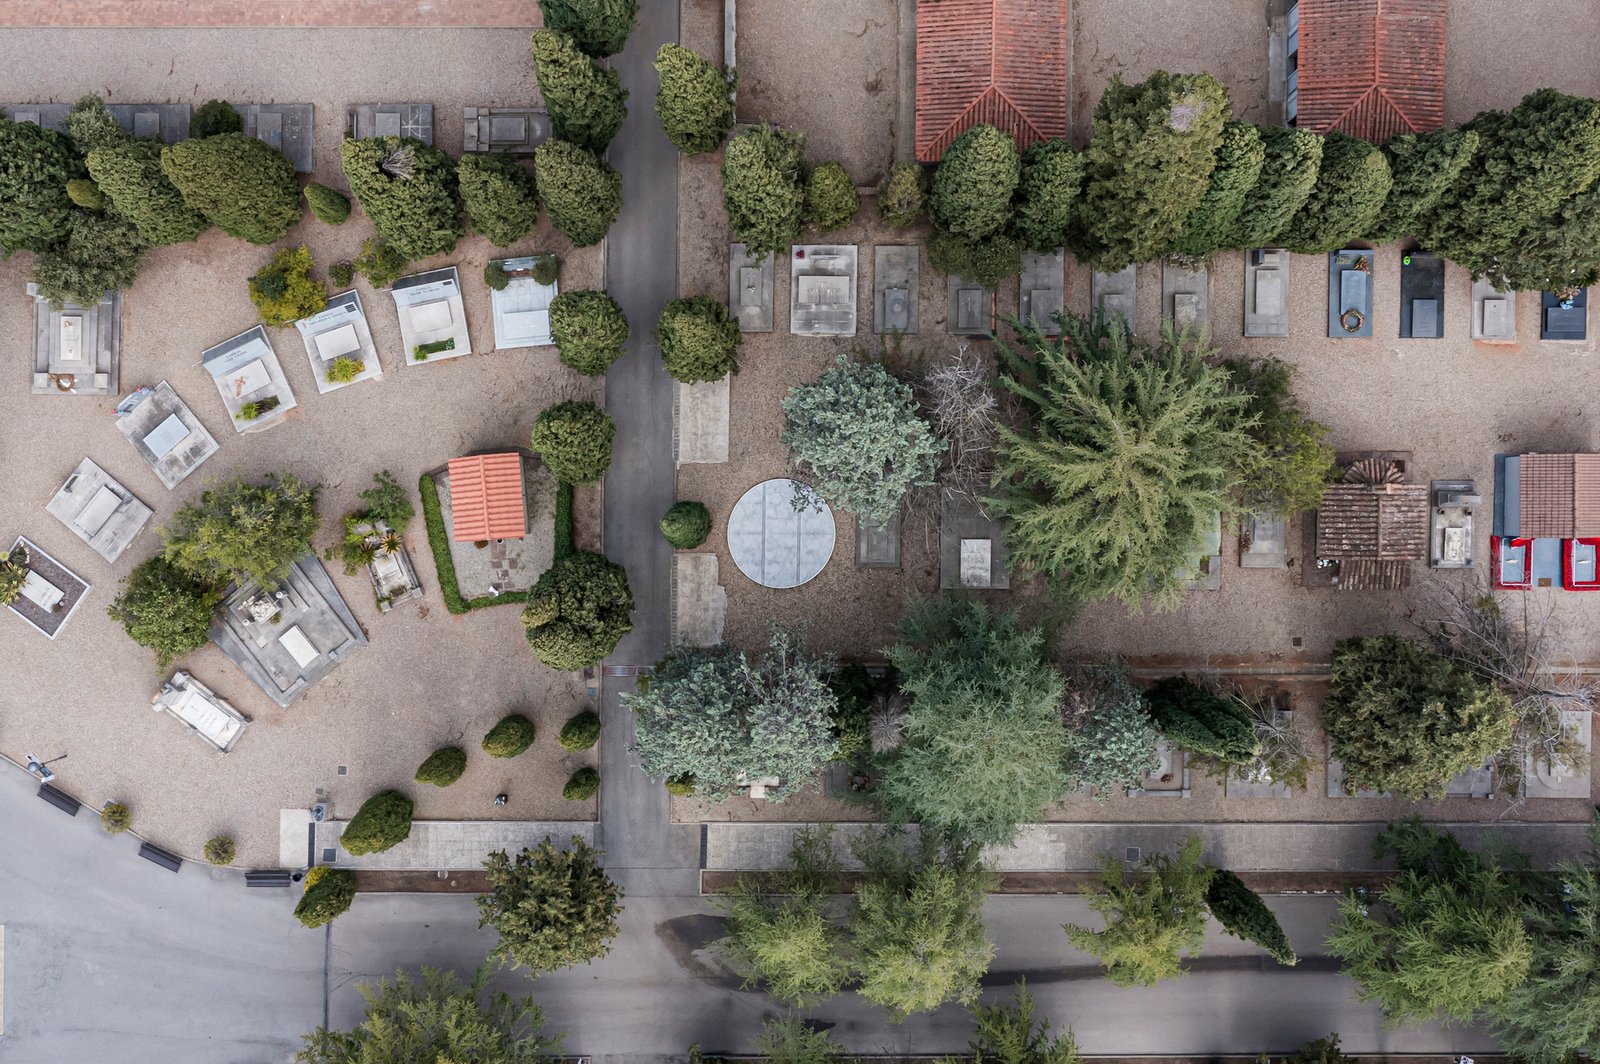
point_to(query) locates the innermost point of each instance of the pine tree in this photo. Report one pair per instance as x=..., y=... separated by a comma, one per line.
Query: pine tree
x=1291, y=159
x=1351, y=187
x=1151, y=921
x=1006, y=1034
x=1424, y=166
x=1212, y=225
x=552, y=908
x=587, y=103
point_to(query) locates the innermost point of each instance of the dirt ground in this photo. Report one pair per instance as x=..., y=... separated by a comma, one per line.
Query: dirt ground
x=427, y=678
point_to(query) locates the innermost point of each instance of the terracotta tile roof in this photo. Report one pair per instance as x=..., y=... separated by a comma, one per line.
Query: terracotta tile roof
x=1371, y=68
x=1364, y=574
x=486, y=500
x=1000, y=62
x=1378, y=523
x=1560, y=495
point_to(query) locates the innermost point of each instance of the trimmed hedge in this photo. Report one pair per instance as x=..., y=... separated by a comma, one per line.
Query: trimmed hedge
x=330, y=206
x=329, y=893
x=566, y=537
x=443, y=767
x=439, y=544
x=831, y=197
x=581, y=732
x=686, y=524
x=383, y=821
x=510, y=737
x=584, y=784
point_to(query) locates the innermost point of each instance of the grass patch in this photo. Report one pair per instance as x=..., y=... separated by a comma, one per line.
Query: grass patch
x=564, y=533
x=439, y=541
x=422, y=351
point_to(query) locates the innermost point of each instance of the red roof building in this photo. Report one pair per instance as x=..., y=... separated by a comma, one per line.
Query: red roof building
x=1559, y=495
x=996, y=62
x=1371, y=68
x=486, y=498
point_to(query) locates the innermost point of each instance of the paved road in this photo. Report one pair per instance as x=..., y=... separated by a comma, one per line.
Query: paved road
x=646, y=854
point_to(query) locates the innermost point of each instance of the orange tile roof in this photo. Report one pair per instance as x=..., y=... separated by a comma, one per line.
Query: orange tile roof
x=1000, y=62
x=1371, y=68
x=486, y=500
x=1559, y=495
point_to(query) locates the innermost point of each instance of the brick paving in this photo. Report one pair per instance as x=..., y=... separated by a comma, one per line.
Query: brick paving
x=258, y=13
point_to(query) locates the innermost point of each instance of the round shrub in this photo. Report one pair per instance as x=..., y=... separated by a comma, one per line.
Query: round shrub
x=578, y=611
x=86, y=194
x=589, y=329
x=114, y=818
x=242, y=186
x=384, y=820
x=988, y=261
x=329, y=893
x=580, y=191
x=586, y=101
x=977, y=177
x=510, y=737
x=574, y=440
x=330, y=205
x=165, y=609
x=495, y=275
x=546, y=268
x=220, y=850
x=831, y=197
x=681, y=786
x=686, y=524
x=498, y=192
x=581, y=732
x=103, y=252
x=409, y=191
x=443, y=767
x=213, y=117
x=699, y=342
x=902, y=195
x=284, y=292
x=584, y=784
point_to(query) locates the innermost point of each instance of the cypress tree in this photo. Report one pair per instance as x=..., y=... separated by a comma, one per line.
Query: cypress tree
x=601, y=27
x=35, y=166
x=587, y=104
x=694, y=100
x=1047, y=200
x=1424, y=166
x=409, y=190
x=241, y=185
x=500, y=197
x=1351, y=187
x=762, y=187
x=1289, y=168
x=1212, y=225
x=129, y=174
x=580, y=192
x=1243, y=914
x=974, y=184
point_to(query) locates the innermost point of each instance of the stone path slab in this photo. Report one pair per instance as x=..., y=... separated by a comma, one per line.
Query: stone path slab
x=700, y=602
x=702, y=422
x=444, y=845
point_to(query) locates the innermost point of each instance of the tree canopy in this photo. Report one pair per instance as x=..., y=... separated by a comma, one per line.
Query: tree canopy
x=601, y=27
x=1423, y=166
x=1006, y=1034
x=578, y=611
x=409, y=190
x=699, y=340
x=783, y=928
x=586, y=101
x=574, y=441
x=240, y=184
x=102, y=253
x=1151, y=921
x=129, y=175
x=165, y=609
x=589, y=329
x=1352, y=184
x=974, y=183
x=244, y=531
x=35, y=166
x=1109, y=740
x=1293, y=463
x=1243, y=914
x=1202, y=721
x=763, y=189
x=1291, y=159
x=1214, y=222
x=580, y=191
x=694, y=99
x=1048, y=194
x=499, y=195
x=553, y=908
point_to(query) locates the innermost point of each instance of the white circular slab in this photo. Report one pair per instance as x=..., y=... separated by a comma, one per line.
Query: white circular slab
x=774, y=544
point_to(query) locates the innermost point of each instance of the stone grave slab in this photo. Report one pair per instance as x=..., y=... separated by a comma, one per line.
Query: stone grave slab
x=165, y=432
x=878, y=546
x=1494, y=313
x=1169, y=779
x=896, y=273
x=1244, y=782
x=1473, y=783
x=77, y=350
x=521, y=309
x=1350, y=293
x=780, y=534
x=1564, y=318
x=822, y=290
x=198, y=708
x=967, y=308
x=514, y=130
x=431, y=312
x=49, y=115
x=700, y=425
x=166, y=122
x=1421, y=296
x=340, y=330
x=963, y=524
x=699, y=601
x=750, y=288
x=51, y=593
x=1203, y=571
x=289, y=127
x=246, y=370
x=1186, y=297
x=1041, y=290
x=98, y=510
x=1264, y=543
x=390, y=120
x=1113, y=293
x=1266, y=292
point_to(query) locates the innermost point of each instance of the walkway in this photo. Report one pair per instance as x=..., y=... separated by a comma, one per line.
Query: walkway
x=646, y=854
x=231, y=14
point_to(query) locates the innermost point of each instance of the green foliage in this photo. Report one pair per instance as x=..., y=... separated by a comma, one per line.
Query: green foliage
x=564, y=531
x=242, y=186
x=114, y=818
x=1561, y=256
x=13, y=574
x=213, y=117
x=983, y=734
x=329, y=893
x=782, y=929
x=381, y=263
x=164, y=609
x=330, y=206
x=724, y=718
x=578, y=611
x=83, y=192
x=101, y=254
x=699, y=341
x=589, y=329
x=694, y=99
x=681, y=786
x=546, y=268
x=582, y=194
x=1424, y=166
x=586, y=102
x=443, y=767
x=762, y=187
x=790, y=1040
x=973, y=185
x=383, y=821
x=387, y=501
x=1148, y=164
x=35, y=166
x=344, y=369
x=1444, y=938
x=686, y=524
x=495, y=275
x=220, y=850
x=129, y=175
x=856, y=431
x=584, y=784
x=438, y=1020
x=500, y=197
x=581, y=732
x=831, y=200
x=1243, y=914
x=256, y=408
x=918, y=926
x=1351, y=187
x=1127, y=452
x=1405, y=720
x=1293, y=462
x=1288, y=174
x=1202, y=721
x=553, y=908
x=988, y=261
x=409, y=190
x=1109, y=742
x=1006, y=1035
x=1321, y=1051
x=1049, y=193
x=439, y=544
x=244, y=531
x=1152, y=920
x=509, y=737
x=91, y=126
x=601, y=27
x=1532, y=163
x=1214, y=222
x=284, y=292
x=574, y=440
x=902, y=195
x=342, y=273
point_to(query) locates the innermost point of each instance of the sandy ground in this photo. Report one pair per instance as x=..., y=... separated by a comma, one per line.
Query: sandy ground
x=427, y=678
